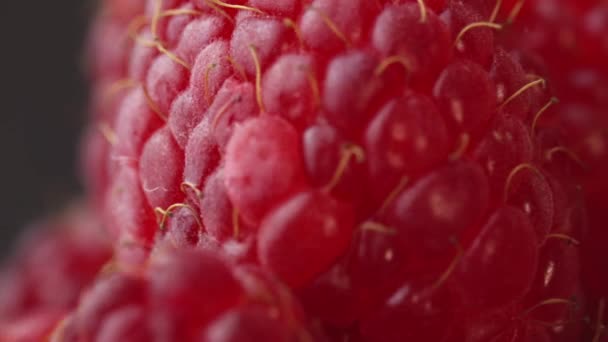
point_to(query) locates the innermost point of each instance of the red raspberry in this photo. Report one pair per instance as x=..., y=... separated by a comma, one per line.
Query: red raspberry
x=571, y=37
x=185, y=296
x=42, y=281
x=384, y=159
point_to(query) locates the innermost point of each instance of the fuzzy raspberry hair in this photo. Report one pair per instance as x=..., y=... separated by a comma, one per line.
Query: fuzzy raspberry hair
x=383, y=159
x=577, y=66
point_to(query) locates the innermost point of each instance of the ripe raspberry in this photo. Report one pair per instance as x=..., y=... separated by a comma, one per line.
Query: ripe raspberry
x=383, y=156
x=43, y=279
x=576, y=32
x=181, y=295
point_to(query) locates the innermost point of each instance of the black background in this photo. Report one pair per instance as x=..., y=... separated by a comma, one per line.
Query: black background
x=42, y=108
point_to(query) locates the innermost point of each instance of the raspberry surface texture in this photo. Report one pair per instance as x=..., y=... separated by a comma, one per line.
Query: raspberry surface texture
x=53, y=263
x=186, y=296
x=576, y=31
x=391, y=163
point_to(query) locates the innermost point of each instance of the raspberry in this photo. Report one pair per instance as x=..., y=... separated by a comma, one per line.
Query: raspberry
x=181, y=226
x=420, y=314
x=215, y=200
x=174, y=281
x=166, y=302
x=580, y=80
x=423, y=41
x=137, y=122
x=506, y=231
x=125, y=325
x=324, y=150
x=352, y=91
x=472, y=42
x=260, y=150
x=505, y=147
x=331, y=299
x=287, y=93
x=160, y=171
x=304, y=236
x=389, y=161
x=502, y=327
x=43, y=279
x=466, y=95
x=202, y=157
x=557, y=282
x=401, y=140
x=106, y=298
x=131, y=217
x=438, y=201
x=247, y=324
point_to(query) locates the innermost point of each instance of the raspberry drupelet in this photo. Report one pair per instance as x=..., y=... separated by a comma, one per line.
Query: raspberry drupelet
x=383, y=159
x=569, y=37
x=186, y=295
x=52, y=264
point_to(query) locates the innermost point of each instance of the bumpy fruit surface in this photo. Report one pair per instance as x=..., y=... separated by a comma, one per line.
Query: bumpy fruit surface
x=43, y=279
x=570, y=36
x=383, y=159
x=181, y=295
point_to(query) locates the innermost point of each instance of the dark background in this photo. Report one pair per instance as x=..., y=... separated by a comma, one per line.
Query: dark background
x=42, y=108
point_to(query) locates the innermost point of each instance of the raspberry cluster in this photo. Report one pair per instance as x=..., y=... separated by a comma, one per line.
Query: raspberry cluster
x=41, y=282
x=570, y=39
x=346, y=170
x=185, y=296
